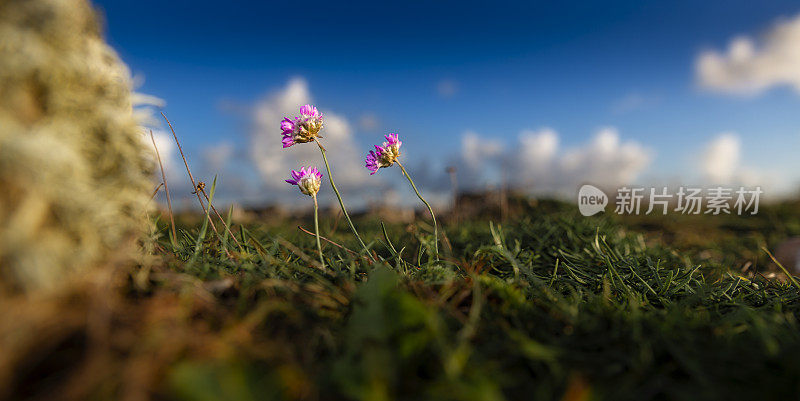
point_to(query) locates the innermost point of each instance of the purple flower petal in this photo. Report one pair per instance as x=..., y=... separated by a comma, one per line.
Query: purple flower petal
x=392, y=139
x=309, y=110
x=287, y=141
x=287, y=126
x=371, y=162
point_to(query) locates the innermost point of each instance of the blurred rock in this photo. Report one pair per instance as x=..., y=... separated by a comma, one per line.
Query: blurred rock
x=788, y=254
x=73, y=172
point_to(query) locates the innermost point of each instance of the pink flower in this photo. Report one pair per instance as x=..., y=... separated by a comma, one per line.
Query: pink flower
x=302, y=129
x=384, y=155
x=308, y=179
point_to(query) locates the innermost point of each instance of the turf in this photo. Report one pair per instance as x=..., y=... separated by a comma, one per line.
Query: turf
x=547, y=305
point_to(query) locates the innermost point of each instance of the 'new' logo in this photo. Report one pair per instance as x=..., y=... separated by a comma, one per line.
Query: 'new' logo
x=591, y=200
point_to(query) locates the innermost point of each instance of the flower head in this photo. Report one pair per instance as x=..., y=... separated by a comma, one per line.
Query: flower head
x=308, y=179
x=301, y=129
x=384, y=155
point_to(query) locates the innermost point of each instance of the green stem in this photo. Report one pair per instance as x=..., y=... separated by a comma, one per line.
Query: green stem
x=316, y=231
x=341, y=203
x=430, y=209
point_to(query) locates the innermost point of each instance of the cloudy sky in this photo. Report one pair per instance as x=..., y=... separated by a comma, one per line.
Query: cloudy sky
x=544, y=96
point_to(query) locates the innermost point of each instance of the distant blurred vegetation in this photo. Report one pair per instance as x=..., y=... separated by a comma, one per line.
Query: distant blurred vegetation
x=724, y=241
x=537, y=303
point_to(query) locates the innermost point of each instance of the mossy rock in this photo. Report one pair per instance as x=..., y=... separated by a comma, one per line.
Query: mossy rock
x=73, y=168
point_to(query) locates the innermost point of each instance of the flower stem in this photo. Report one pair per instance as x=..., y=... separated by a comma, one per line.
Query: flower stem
x=341, y=203
x=430, y=209
x=316, y=230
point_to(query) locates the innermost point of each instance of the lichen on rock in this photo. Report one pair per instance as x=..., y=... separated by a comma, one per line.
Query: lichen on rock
x=73, y=171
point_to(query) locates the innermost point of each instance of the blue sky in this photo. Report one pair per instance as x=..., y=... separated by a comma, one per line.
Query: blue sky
x=435, y=70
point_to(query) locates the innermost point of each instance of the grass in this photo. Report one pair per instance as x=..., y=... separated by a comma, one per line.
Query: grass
x=546, y=305
x=549, y=306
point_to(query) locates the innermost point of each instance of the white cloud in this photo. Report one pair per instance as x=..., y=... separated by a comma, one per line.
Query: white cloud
x=274, y=162
x=750, y=66
x=144, y=105
x=143, y=99
x=605, y=161
x=720, y=159
x=477, y=151
x=721, y=164
x=447, y=88
x=478, y=163
x=537, y=149
x=535, y=163
x=166, y=150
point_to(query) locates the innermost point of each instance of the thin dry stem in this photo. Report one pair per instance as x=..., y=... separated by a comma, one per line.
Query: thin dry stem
x=191, y=178
x=155, y=191
x=166, y=189
x=288, y=245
